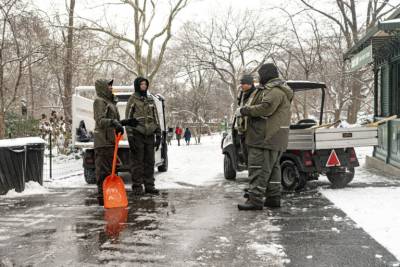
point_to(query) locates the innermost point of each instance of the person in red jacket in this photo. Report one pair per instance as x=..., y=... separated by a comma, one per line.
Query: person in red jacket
x=178, y=133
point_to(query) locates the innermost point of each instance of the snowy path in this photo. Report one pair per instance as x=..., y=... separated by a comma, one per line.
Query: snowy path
x=195, y=222
x=372, y=201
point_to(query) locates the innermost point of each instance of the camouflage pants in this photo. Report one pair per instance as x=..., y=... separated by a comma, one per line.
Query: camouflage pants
x=142, y=155
x=264, y=173
x=103, y=164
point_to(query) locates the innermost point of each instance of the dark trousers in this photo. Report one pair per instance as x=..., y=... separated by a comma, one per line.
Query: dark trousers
x=103, y=165
x=142, y=155
x=264, y=173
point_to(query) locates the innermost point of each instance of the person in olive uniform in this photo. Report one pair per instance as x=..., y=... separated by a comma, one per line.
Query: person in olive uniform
x=268, y=112
x=106, y=118
x=143, y=138
x=247, y=87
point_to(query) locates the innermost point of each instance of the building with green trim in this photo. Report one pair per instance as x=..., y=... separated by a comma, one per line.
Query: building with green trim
x=380, y=46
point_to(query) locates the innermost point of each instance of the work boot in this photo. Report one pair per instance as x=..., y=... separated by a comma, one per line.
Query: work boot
x=246, y=193
x=137, y=190
x=249, y=205
x=152, y=190
x=273, y=202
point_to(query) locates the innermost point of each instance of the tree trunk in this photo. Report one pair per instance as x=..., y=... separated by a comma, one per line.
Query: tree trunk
x=355, y=104
x=68, y=69
x=305, y=108
x=2, y=124
x=337, y=114
x=31, y=88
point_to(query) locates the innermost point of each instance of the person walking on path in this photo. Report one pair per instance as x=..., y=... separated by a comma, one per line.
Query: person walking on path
x=170, y=135
x=187, y=136
x=178, y=133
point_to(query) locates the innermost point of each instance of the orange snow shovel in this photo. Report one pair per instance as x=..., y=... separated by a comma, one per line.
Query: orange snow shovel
x=113, y=186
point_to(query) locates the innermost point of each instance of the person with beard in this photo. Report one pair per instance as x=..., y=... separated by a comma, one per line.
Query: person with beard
x=143, y=138
x=268, y=110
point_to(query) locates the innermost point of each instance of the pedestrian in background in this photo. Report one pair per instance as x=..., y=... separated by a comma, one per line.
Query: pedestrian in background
x=178, y=133
x=187, y=136
x=170, y=135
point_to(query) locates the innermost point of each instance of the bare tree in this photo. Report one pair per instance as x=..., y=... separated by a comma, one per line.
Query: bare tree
x=141, y=50
x=230, y=45
x=351, y=28
x=304, y=51
x=68, y=65
x=11, y=58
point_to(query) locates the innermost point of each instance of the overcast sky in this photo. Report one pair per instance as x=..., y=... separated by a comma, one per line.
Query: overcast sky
x=120, y=16
x=197, y=10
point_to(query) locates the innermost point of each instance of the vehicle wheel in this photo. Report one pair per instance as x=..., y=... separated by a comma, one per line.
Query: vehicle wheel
x=90, y=176
x=292, y=179
x=340, y=177
x=164, y=167
x=229, y=169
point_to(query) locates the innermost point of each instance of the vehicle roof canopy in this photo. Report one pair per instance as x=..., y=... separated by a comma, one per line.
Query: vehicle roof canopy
x=305, y=85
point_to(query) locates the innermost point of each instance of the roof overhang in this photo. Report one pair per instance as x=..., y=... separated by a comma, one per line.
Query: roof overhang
x=363, y=51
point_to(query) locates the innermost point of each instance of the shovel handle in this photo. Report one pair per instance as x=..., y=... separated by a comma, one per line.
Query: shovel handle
x=118, y=138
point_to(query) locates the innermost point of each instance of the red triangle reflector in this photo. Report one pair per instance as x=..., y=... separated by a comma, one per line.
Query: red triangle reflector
x=333, y=160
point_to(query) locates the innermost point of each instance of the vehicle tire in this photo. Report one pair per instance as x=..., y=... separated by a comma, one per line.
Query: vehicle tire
x=339, y=178
x=90, y=176
x=164, y=167
x=229, y=168
x=292, y=178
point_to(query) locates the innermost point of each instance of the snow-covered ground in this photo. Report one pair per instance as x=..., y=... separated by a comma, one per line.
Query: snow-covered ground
x=189, y=166
x=193, y=165
x=31, y=188
x=375, y=209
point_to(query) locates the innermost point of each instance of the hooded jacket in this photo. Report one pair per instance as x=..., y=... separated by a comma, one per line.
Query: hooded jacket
x=141, y=106
x=105, y=111
x=269, y=116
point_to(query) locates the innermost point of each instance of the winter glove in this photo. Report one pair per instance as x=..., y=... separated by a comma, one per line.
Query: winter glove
x=158, y=142
x=117, y=126
x=238, y=113
x=130, y=122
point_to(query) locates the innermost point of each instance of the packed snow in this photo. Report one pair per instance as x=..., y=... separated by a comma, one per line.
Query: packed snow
x=21, y=141
x=193, y=165
x=31, y=188
x=375, y=209
x=189, y=166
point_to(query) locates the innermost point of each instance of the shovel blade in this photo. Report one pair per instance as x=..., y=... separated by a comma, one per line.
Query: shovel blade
x=114, y=192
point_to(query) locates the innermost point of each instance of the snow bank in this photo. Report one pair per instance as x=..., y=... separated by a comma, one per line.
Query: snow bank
x=267, y=249
x=21, y=141
x=193, y=165
x=31, y=188
x=376, y=210
x=345, y=124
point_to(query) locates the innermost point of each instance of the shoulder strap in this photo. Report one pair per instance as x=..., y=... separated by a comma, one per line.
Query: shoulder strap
x=251, y=98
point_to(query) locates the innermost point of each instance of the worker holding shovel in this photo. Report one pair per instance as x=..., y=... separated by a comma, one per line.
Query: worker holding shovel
x=107, y=125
